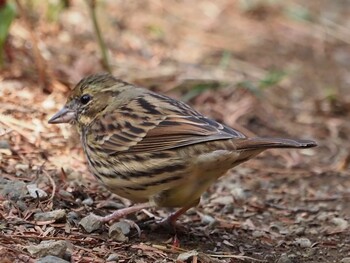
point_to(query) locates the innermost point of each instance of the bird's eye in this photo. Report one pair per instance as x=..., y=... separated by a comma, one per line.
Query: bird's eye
x=85, y=99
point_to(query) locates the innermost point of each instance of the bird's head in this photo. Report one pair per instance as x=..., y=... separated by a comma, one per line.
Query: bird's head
x=90, y=98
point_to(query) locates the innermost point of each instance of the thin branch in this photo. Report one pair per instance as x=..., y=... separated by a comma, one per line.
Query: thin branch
x=101, y=42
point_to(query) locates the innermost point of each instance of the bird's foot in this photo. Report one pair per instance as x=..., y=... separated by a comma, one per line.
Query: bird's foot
x=116, y=215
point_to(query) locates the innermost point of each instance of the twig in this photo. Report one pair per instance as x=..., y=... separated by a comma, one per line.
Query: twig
x=101, y=43
x=53, y=184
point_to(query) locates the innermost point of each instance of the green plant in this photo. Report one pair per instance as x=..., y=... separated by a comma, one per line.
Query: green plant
x=7, y=14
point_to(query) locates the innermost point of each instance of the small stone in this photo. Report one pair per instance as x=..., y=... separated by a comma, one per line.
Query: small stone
x=340, y=223
x=258, y=233
x=119, y=230
x=22, y=166
x=185, y=256
x=36, y=192
x=113, y=257
x=238, y=192
x=207, y=219
x=22, y=205
x=223, y=200
x=91, y=223
x=65, y=194
x=112, y=204
x=72, y=217
x=4, y=144
x=299, y=230
x=49, y=216
x=285, y=259
x=51, y=259
x=88, y=201
x=303, y=242
x=15, y=190
x=275, y=228
x=45, y=248
x=345, y=260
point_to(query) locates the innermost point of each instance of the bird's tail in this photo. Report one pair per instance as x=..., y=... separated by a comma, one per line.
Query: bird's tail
x=266, y=143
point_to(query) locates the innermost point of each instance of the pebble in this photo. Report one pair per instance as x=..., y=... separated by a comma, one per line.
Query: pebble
x=285, y=259
x=207, y=219
x=51, y=259
x=22, y=205
x=119, y=231
x=258, y=233
x=52, y=215
x=303, y=242
x=90, y=223
x=36, y=192
x=65, y=194
x=72, y=217
x=223, y=200
x=14, y=190
x=345, y=260
x=50, y=247
x=113, y=257
x=112, y=204
x=341, y=223
x=22, y=166
x=4, y=144
x=185, y=256
x=88, y=201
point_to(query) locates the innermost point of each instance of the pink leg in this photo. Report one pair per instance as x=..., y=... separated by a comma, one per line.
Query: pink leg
x=125, y=211
x=171, y=220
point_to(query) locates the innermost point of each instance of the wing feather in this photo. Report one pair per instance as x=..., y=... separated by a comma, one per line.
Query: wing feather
x=117, y=132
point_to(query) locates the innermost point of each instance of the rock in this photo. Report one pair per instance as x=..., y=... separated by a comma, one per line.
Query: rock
x=185, y=256
x=22, y=205
x=49, y=216
x=207, y=219
x=15, y=190
x=88, y=201
x=113, y=257
x=345, y=260
x=285, y=259
x=45, y=248
x=72, y=217
x=36, y=192
x=119, y=230
x=258, y=233
x=223, y=200
x=51, y=259
x=22, y=166
x=91, y=223
x=65, y=194
x=303, y=242
x=340, y=223
x=4, y=144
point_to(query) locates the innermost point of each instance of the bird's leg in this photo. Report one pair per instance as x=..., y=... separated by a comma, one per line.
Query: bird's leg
x=125, y=211
x=171, y=219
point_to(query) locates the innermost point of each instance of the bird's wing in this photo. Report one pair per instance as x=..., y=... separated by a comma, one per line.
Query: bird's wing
x=131, y=130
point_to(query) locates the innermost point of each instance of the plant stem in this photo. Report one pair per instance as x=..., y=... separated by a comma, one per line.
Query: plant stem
x=101, y=43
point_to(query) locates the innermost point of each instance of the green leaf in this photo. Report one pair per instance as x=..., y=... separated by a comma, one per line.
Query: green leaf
x=7, y=14
x=196, y=87
x=272, y=78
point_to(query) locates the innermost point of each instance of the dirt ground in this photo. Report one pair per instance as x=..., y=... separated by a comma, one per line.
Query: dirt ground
x=266, y=68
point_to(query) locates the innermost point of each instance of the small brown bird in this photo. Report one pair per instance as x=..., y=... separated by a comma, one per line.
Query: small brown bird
x=152, y=149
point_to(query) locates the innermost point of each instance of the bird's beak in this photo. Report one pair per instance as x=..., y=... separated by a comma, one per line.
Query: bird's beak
x=65, y=115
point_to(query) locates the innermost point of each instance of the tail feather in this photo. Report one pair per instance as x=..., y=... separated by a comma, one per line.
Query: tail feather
x=265, y=143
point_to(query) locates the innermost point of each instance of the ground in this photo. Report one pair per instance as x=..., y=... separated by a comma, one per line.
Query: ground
x=266, y=68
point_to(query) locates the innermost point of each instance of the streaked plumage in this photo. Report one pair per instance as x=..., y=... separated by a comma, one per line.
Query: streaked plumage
x=151, y=148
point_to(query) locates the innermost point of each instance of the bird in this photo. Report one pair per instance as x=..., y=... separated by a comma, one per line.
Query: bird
x=152, y=149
